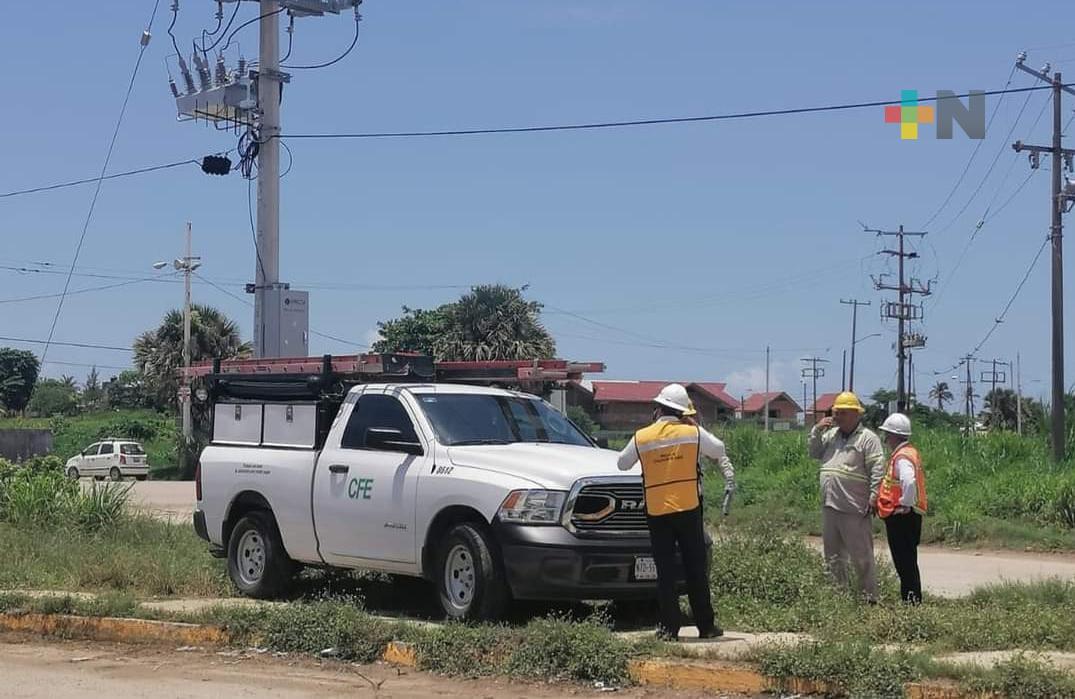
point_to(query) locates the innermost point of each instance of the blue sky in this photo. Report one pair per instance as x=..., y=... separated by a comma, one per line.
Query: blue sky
x=709, y=240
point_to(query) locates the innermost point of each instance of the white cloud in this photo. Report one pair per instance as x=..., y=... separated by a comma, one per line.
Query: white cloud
x=752, y=379
x=372, y=336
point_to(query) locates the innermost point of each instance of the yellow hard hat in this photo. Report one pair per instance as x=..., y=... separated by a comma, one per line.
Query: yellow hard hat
x=848, y=401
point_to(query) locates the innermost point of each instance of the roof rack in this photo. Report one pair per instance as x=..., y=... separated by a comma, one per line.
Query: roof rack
x=315, y=377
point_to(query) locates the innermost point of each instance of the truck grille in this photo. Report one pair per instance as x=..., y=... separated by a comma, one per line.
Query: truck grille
x=610, y=508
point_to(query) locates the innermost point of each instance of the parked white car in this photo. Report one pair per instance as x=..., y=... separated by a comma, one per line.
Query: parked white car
x=111, y=458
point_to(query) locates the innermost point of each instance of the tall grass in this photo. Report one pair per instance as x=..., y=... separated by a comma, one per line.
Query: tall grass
x=996, y=489
x=38, y=494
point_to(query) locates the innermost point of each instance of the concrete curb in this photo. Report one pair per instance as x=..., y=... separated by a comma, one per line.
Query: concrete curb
x=115, y=629
x=712, y=676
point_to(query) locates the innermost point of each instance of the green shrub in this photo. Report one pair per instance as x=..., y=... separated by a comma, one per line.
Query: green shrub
x=856, y=669
x=560, y=649
x=338, y=629
x=463, y=651
x=1025, y=677
x=40, y=495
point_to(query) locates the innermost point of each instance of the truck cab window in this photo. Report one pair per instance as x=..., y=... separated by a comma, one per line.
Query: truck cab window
x=377, y=412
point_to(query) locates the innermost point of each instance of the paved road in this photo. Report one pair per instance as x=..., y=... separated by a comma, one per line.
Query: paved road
x=945, y=572
x=34, y=669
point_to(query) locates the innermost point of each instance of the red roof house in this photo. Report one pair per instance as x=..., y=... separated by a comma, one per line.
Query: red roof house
x=628, y=405
x=781, y=406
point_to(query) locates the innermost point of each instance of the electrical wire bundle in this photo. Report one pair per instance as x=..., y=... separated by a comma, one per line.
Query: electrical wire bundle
x=249, y=147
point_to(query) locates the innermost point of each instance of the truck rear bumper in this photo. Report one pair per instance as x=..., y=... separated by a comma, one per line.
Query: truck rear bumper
x=550, y=563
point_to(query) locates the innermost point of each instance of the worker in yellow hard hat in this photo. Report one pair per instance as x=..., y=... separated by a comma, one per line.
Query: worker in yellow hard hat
x=852, y=466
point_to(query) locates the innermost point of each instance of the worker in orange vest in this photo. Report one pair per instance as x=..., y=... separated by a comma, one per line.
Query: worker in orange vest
x=669, y=450
x=901, y=502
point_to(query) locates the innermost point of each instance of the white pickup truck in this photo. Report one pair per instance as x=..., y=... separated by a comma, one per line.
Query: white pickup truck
x=490, y=494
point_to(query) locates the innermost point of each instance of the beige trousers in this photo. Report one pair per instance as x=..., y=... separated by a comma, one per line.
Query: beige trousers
x=848, y=537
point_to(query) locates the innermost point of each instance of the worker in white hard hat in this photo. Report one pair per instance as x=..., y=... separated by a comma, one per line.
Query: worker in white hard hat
x=901, y=502
x=852, y=463
x=669, y=451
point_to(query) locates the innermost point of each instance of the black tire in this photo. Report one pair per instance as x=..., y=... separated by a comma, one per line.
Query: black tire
x=73, y=473
x=114, y=474
x=141, y=478
x=483, y=594
x=257, y=562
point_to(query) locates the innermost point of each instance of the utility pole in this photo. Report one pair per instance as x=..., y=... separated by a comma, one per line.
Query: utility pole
x=186, y=265
x=993, y=378
x=267, y=264
x=968, y=402
x=767, y=388
x=250, y=97
x=1018, y=397
x=854, y=303
x=812, y=372
x=843, y=373
x=902, y=310
x=1061, y=196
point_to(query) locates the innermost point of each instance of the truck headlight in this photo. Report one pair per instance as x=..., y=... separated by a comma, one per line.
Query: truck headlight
x=533, y=507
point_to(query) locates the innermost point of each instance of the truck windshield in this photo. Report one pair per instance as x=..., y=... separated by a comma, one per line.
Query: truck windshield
x=465, y=419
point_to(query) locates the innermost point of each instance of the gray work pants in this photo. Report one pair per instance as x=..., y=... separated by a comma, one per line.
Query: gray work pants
x=848, y=537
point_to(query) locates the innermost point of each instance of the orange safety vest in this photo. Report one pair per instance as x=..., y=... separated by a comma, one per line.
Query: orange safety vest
x=891, y=492
x=669, y=453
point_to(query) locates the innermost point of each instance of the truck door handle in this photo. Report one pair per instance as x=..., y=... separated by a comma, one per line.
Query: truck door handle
x=339, y=468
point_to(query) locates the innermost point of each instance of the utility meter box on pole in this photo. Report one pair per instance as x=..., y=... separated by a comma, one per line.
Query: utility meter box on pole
x=287, y=317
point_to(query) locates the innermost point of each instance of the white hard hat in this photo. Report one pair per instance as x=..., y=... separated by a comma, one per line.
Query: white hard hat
x=674, y=396
x=898, y=424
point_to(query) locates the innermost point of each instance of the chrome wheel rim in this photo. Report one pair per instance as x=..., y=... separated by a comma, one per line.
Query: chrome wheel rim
x=459, y=578
x=250, y=555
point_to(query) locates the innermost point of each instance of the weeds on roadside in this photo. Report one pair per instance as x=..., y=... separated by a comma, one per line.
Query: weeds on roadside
x=855, y=669
x=1023, y=676
x=38, y=494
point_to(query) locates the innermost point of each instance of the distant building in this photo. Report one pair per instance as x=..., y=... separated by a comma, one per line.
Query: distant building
x=781, y=406
x=628, y=405
x=822, y=407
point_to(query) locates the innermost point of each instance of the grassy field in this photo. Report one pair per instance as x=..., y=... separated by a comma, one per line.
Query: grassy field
x=991, y=490
x=155, y=431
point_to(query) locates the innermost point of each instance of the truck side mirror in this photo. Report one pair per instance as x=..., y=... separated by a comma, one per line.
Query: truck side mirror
x=391, y=439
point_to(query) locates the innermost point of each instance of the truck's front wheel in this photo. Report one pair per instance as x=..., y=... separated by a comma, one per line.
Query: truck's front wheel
x=470, y=579
x=257, y=562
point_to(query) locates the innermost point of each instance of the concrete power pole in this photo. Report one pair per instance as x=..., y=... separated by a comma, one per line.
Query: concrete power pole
x=186, y=265
x=854, y=303
x=1018, y=397
x=233, y=98
x=267, y=264
x=813, y=372
x=1060, y=199
x=767, y=352
x=902, y=310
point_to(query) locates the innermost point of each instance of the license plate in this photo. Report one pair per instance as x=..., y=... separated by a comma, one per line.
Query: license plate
x=645, y=568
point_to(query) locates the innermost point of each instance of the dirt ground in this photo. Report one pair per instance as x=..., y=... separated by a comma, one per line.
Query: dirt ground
x=35, y=669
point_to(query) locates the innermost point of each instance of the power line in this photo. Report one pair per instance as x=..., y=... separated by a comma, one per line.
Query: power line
x=526, y=129
x=354, y=41
x=93, y=366
x=234, y=14
x=87, y=290
x=247, y=24
x=1003, y=148
x=974, y=153
x=75, y=183
x=58, y=343
x=143, y=44
x=647, y=122
x=1007, y=307
x=313, y=331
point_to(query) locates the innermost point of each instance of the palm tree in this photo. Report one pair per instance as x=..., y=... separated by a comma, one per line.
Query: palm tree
x=493, y=322
x=158, y=353
x=941, y=393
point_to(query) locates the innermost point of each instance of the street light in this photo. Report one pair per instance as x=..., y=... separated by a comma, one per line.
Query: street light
x=867, y=337
x=186, y=264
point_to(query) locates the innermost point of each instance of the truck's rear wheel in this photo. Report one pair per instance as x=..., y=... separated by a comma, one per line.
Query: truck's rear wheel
x=470, y=579
x=257, y=562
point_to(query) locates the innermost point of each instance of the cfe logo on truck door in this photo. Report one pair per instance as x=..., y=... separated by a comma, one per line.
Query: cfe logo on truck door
x=360, y=488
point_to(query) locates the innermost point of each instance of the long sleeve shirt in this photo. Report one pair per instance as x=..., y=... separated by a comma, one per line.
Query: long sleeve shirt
x=708, y=446
x=852, y=467
x=905, y=471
